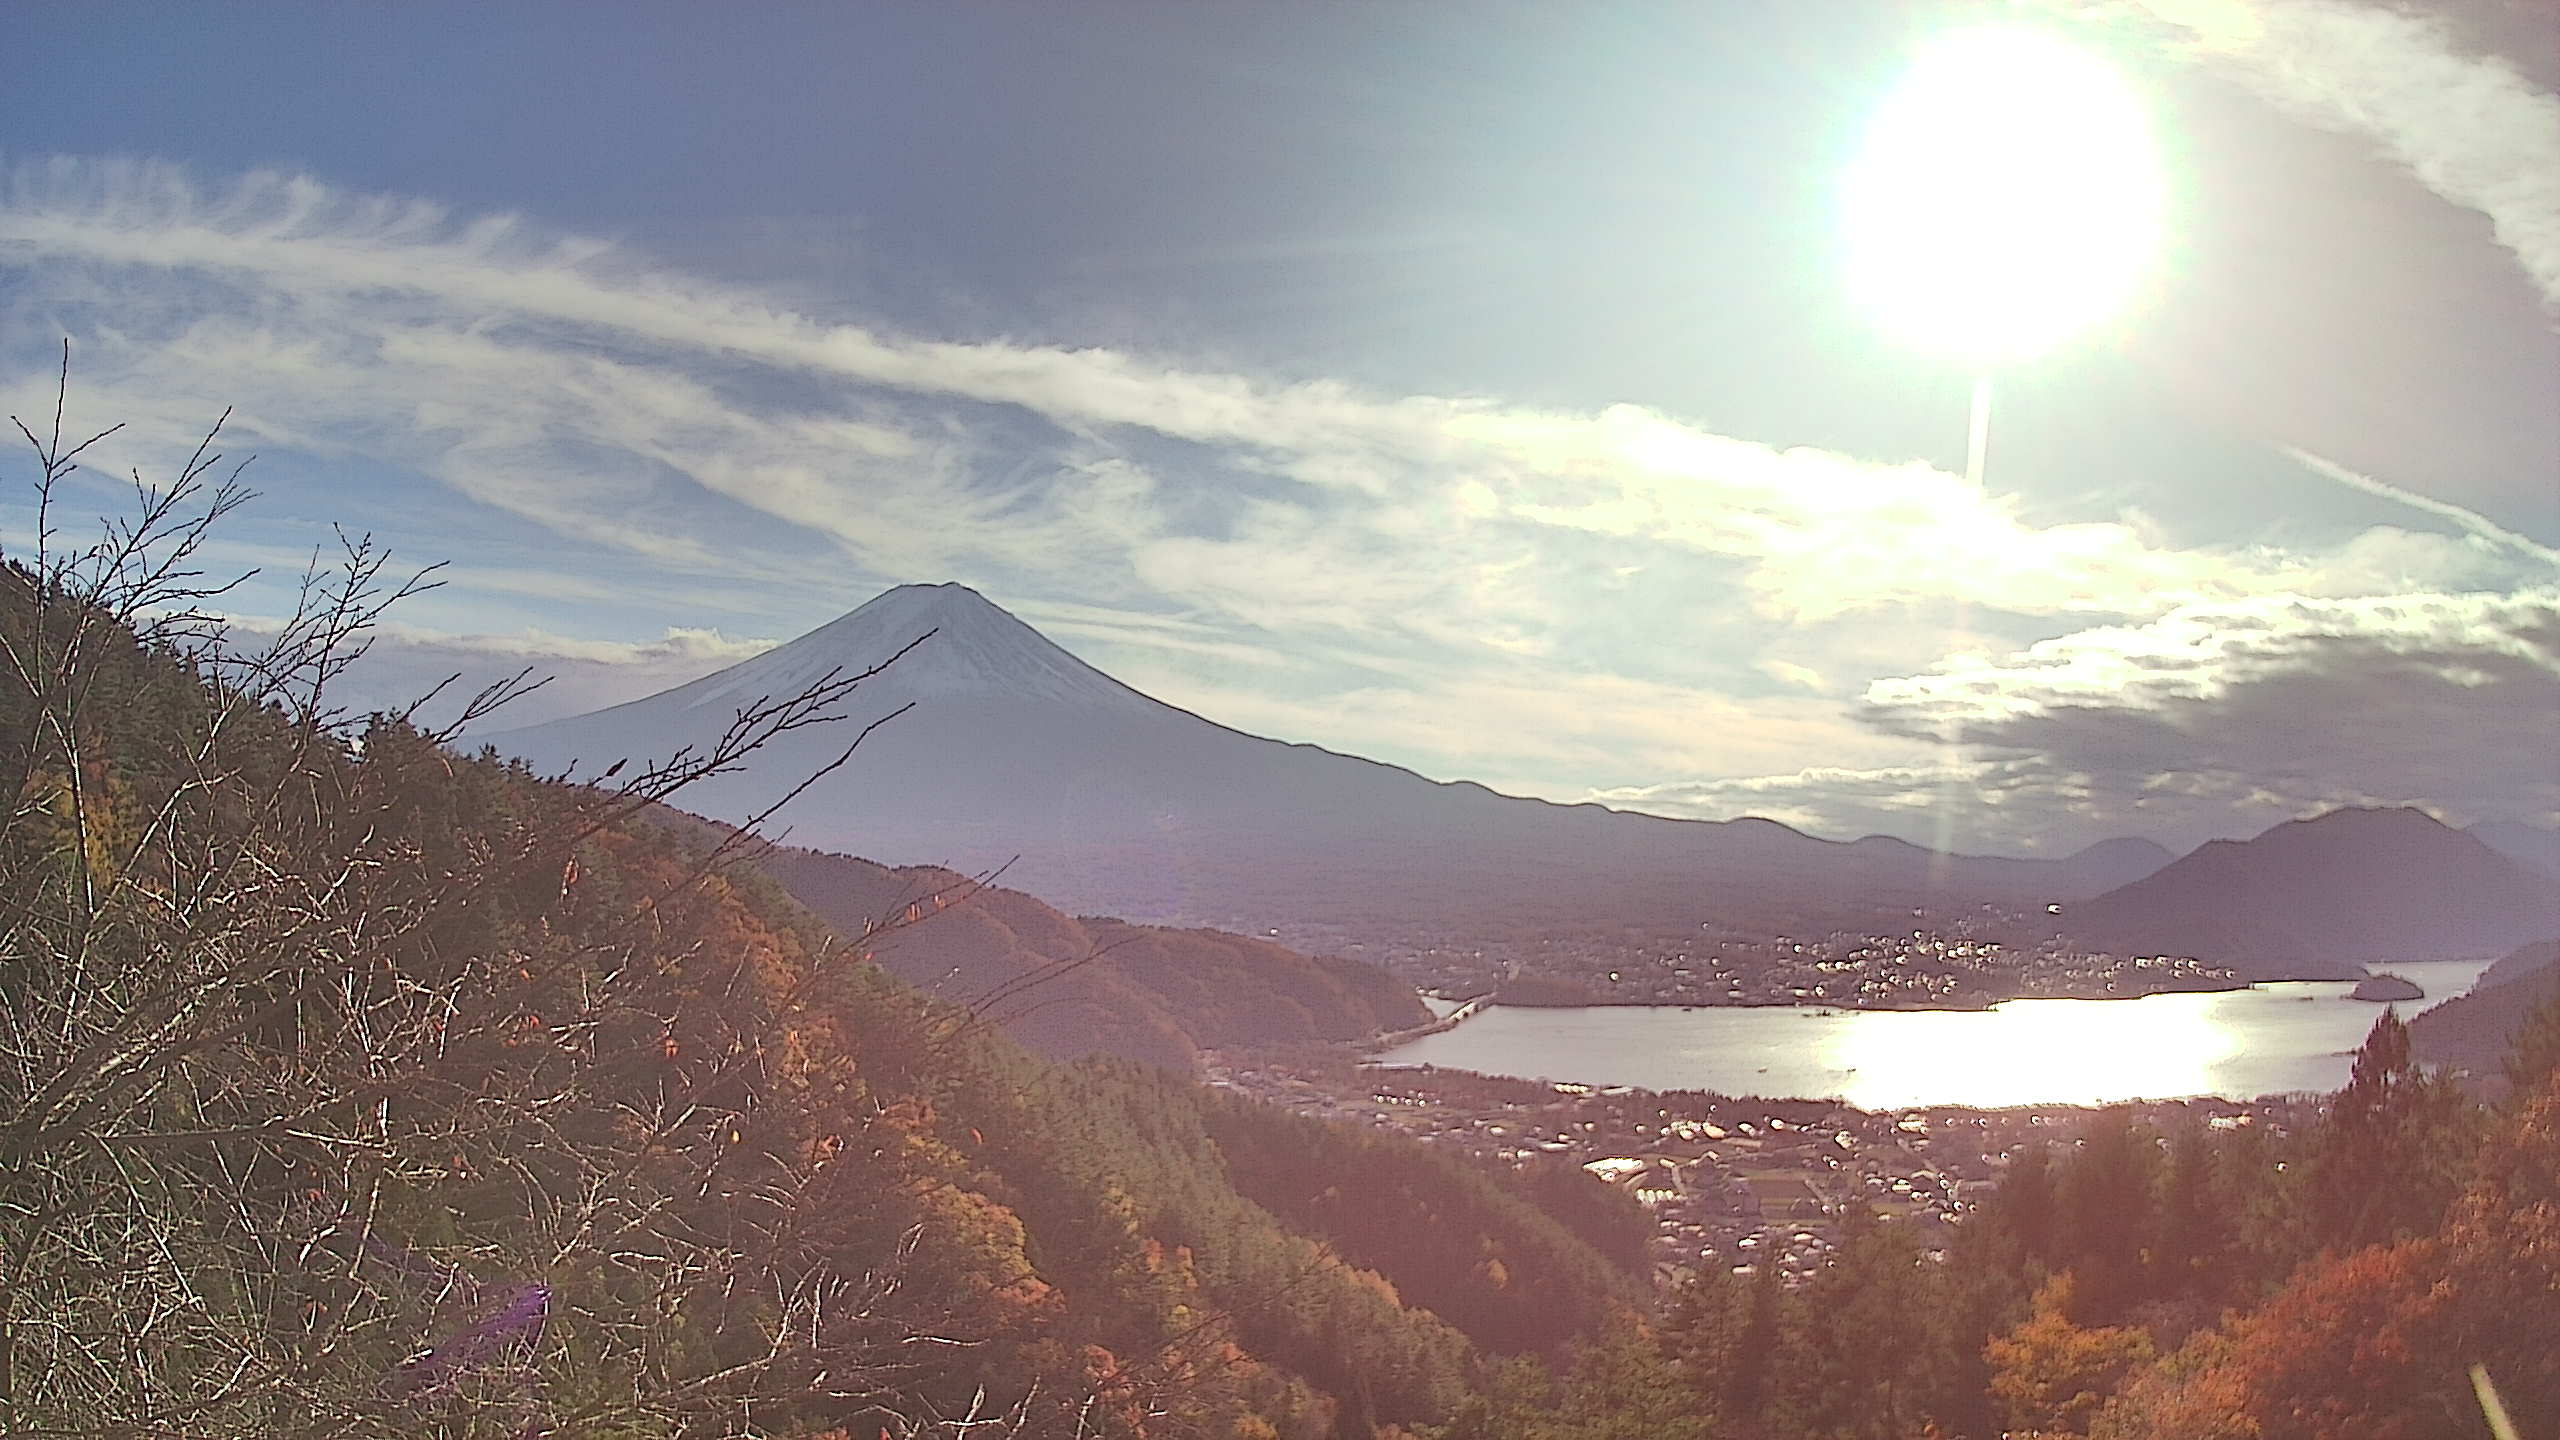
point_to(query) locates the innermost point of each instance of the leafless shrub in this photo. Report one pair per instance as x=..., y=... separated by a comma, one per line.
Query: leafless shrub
x=242, y=1054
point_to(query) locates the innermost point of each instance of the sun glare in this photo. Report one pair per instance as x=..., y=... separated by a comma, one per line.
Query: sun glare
x=2008, y=196
x=2035, y=1051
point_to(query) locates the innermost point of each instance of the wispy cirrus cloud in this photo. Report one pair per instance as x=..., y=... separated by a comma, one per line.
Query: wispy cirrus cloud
x=1549, y=600
x=2474, y=526
x=2467, y=124
x=576, y=387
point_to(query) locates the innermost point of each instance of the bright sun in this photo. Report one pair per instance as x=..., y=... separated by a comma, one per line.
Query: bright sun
x=2009, y=195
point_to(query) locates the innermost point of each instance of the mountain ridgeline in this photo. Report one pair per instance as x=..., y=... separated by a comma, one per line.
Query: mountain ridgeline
x=1107, y=802
x=2327, y=896
x=2532, y=846
x=1100, y=800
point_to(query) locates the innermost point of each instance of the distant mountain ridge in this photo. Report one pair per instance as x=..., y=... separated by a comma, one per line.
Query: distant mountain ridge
x=2531, y=846
x=2328, y=896
x=2123, y=860
x=1115, y=803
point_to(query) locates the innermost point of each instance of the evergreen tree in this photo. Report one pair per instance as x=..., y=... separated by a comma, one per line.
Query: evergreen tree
x=2190, y=1231
x=2391, y=1151
x=2023, y=1211
x=1746, y=1368
x=1859, y=1364
x=2106, y=1189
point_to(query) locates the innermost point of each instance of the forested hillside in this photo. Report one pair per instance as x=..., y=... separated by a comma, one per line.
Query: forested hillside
x=355, y=1088
x=2472, y=1032
x=1067, y=987
x=2129, y=1283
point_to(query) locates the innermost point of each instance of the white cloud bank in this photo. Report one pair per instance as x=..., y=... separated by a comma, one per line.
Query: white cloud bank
x=2209, y=720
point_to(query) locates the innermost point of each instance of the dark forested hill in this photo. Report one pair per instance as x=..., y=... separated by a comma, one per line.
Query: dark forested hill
x=2472, y=1032
x=2518, y=963
x=2326, y=896
x=1067, y=987
x=1459, y=1239
x=2532, y=846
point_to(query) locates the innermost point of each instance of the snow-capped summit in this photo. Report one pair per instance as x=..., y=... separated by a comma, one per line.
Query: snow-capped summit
x=964, y=645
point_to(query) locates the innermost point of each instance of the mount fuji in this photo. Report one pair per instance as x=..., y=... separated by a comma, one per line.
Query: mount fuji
x=1106, y=801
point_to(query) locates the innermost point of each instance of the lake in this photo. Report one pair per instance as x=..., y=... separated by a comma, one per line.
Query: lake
x=2239, y=1043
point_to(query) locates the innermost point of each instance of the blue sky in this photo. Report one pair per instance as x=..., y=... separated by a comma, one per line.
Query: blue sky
x=1470, y=386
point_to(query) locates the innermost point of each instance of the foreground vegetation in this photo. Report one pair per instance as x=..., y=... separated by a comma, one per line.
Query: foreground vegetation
x=2340, y=1284
x=350, y=1087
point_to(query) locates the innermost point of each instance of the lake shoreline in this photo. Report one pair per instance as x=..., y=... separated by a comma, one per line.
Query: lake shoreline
x=1965, y=1005
x=2235, y=1040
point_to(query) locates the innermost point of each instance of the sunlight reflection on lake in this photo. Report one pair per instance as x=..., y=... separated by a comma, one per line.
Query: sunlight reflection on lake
x=2238, y=1043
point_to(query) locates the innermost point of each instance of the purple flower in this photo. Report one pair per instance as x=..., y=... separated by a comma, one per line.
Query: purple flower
x=516, y=1315
x=506, y=1317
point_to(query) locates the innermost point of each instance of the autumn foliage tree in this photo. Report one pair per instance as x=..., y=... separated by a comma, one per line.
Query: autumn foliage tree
x=2378, y=1343
x=2051, y=1375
